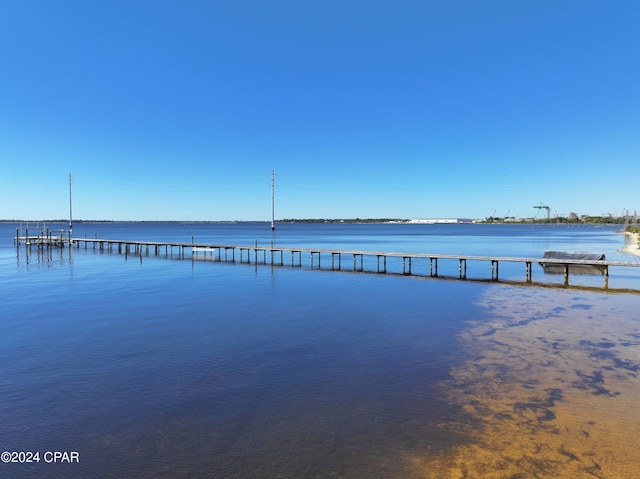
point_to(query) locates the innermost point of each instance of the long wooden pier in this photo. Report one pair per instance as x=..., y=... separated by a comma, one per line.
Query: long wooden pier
x=317, y=256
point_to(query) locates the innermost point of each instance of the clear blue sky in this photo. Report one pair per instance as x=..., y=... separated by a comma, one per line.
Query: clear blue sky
x=179, y=110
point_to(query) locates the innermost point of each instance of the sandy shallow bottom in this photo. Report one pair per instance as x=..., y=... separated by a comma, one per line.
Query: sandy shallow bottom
x=632, y=244
x=552, y=390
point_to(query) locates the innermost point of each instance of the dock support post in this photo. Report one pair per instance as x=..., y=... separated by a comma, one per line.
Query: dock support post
x=433, y=262
x=404, y=258
x=339, y=260
x=462, y=270
x=494, y=269
x=566, y=275
x=606, y=277
x=528, y=270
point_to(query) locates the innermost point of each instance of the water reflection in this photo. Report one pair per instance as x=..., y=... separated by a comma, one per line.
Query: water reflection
x=44, y=255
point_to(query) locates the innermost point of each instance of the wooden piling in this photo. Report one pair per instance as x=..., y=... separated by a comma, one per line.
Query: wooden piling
x=462, y=269
x=433, y=261
x=494, y=269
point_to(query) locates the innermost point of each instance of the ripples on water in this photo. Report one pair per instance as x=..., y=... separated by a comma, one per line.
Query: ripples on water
x=166, y=368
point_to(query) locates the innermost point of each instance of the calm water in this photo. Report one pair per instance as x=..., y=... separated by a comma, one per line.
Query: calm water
x=160, y=367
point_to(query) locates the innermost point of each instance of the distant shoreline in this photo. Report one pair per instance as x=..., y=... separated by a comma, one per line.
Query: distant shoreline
x=399, y=221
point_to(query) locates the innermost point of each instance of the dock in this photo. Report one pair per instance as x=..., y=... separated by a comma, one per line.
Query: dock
x=333, y=259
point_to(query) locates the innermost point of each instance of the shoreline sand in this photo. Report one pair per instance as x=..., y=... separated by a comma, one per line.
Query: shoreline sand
x=631, y=245
x=548, y=390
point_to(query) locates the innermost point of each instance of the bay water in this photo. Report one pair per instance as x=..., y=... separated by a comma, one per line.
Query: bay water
x=157, y=366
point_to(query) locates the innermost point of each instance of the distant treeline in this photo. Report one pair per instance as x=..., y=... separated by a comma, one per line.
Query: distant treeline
x=340, y=220
x=608, y=220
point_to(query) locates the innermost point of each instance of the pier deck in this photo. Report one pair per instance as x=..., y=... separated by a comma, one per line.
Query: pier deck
x=222, y=252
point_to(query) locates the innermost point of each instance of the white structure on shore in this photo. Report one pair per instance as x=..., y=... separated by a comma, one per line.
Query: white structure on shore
x=436, y=221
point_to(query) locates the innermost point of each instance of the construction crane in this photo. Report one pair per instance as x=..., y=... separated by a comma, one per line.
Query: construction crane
x=543, y=206
x=630, y=220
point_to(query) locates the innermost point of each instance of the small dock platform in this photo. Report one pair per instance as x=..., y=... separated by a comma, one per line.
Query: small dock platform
x=419, y=264
x=41, y=240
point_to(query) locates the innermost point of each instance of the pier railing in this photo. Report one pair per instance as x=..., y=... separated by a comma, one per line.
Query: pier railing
x=43, y=237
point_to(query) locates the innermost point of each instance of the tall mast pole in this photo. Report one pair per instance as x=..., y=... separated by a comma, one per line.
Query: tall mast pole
x=273, y=203
x=70, y=209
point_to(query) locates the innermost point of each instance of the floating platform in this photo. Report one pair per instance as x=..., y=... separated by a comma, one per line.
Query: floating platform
x=591, y=268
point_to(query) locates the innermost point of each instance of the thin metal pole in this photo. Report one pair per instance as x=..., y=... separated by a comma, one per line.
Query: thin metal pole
x=273, y=203
x=70, y=210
